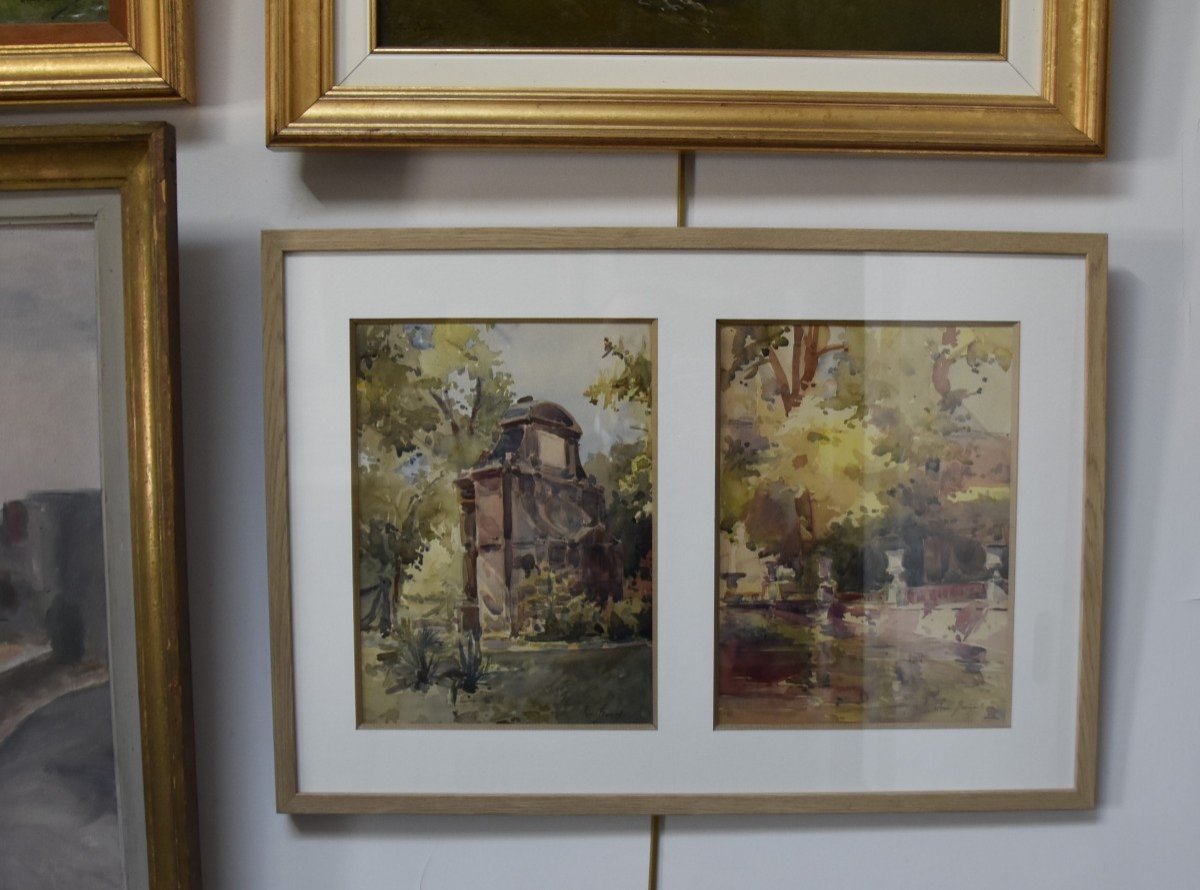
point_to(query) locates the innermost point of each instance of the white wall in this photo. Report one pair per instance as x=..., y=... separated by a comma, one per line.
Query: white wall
x=1144, y=832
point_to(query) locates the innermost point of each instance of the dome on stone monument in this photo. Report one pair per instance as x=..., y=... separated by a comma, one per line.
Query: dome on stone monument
x=550, y=414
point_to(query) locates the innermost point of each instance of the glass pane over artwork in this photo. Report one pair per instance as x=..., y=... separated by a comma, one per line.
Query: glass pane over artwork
x=865, y=490
x=44, y=12
x=59, y=825
x=968, y=27
x=504, y=513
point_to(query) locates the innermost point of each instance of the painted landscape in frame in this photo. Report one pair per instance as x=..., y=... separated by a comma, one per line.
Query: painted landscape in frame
x=939, y=27
x=59, y=820
x=504, y=492
x=48, y=12
x=866, y=503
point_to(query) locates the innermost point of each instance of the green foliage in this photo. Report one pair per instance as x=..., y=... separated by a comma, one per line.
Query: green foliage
x=858, y=551
x=742, y=459
x=751, y=348
x=632, y=381
x=969, y=557
x=433, y=589
x=629, y=619
x=471, y=669
x=537, y=592
x=428, y=399
x=627, y=476
x=848, y=570
x=413, y=662
x=627, y=471
x=636, y=534
x=858, y=418
x=573, y=620
x=775, y=520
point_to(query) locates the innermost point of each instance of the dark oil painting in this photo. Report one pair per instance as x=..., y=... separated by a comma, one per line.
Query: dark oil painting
x=504, y=521
x=48, y=12
x=962, y=27
x=59, y=822
x=865, y=492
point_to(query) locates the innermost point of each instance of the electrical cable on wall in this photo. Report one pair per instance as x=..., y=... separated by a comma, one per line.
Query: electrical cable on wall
x=684, y=174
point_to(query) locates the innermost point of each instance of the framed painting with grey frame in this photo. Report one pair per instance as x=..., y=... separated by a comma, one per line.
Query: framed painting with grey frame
x=96, y=756
x=56, y=51
x=1021, y=77
x=455, y=498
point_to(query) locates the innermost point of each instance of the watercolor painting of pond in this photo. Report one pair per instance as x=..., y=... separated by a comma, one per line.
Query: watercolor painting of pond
x=866, y=491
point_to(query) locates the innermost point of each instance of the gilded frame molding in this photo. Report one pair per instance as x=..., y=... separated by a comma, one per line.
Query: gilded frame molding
x=306, y=108
x=292, y=797
x=154, y=64
x=137, y=162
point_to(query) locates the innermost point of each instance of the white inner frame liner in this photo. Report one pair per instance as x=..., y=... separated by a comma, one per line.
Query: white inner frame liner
x=355, y=65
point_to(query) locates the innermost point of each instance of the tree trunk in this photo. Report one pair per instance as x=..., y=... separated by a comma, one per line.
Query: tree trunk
x=394, y=599
x=804, y=529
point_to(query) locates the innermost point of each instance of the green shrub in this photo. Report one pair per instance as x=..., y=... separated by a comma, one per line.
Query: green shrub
x=471, y=668
x=413, y=663
x=630, y=618
x=573, y=620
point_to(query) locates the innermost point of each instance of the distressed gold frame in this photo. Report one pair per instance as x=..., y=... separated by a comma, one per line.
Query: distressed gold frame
x=1091, y=248
x=138, y=163
x=305, y=108
x=153, y=65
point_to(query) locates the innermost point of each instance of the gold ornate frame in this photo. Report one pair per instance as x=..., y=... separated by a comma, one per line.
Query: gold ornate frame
x=306, y=108
x=292, y=797
x=137, y=162
x=153, y=64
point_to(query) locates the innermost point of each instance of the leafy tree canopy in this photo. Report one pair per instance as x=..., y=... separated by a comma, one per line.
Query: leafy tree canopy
x=848, y=423
x=626, y=381
x=428, y=401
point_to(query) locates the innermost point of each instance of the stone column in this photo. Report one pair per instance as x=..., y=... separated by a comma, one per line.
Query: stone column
x=997, y=591
x=826, y=586
x=897, y=589
x=469, y=609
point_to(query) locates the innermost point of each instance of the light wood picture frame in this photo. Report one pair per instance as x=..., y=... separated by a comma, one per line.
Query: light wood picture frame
x=114, y=184
x=329, y=85
x=317, y=284
x=142, y=53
